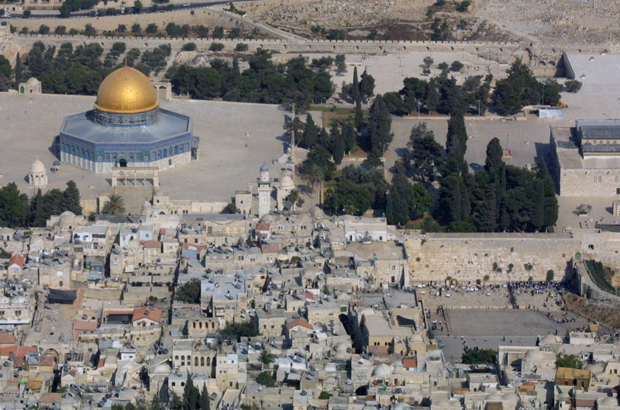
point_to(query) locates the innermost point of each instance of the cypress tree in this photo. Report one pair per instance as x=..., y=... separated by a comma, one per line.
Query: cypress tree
x=486, y=219
x=348, y=135
x=367, y=85
x=311, y=133
x=324, y=140
x=205, y=402
x=37, y=217
x=338, y=147
x=191, y=395
x=355, y=88
x=538, y=204
x=494, y=155
x=71, y=199
x=380, y=126
x=359, y=116
x=19, y=70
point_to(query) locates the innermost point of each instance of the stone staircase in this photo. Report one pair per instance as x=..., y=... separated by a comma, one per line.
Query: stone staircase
x=134, y=197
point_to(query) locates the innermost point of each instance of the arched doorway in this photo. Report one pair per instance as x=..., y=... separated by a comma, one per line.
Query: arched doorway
x=122, y=163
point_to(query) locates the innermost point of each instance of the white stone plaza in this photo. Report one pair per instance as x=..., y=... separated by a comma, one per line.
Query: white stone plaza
x=235, y=140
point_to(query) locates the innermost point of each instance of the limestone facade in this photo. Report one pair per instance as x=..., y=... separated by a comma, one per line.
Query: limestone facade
x=471, y=257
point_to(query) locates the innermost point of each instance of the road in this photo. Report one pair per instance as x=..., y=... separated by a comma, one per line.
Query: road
x=87, y=13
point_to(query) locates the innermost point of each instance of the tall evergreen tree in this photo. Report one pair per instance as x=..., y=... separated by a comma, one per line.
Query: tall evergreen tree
x=355, y=87
x=37, y=216
x=348, y=135
x=456, y=144
x=494, y=156
x=367, y=85
x=19, y=70
x=311, y=133
x=380, y=127
x=338, y=145
x=359, y=116
x=205, y=402
x=14, y=206
x=486, y=219
x=191, y=395
x=71, y=199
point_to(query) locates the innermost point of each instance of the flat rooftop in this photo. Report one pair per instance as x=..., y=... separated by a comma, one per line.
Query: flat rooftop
x=235, y=140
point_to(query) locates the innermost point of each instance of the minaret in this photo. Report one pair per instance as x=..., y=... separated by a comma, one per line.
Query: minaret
x=264, y=191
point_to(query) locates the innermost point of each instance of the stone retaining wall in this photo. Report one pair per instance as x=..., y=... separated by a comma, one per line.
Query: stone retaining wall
x=469, y=258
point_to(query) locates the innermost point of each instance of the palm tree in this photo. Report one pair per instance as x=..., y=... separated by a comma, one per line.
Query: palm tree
x=313, y=175
x=114, y=206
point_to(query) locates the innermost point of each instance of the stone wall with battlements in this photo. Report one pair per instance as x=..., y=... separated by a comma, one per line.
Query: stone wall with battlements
x=470, y=257
x=537, y=55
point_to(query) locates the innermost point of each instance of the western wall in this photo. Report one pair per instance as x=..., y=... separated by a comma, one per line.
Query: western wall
x=489, y=257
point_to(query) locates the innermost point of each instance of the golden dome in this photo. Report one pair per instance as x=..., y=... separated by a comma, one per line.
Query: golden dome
x=126, y=91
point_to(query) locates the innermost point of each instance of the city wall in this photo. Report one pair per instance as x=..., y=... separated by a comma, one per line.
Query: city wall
x=537, y=56
x=492, y=257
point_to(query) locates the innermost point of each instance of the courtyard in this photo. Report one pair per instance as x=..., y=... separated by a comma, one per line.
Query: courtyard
x=235, y=140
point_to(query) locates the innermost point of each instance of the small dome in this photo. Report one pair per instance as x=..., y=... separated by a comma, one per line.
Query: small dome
x=160, y=192
x=511, y=396
x=37, y=166
x=534, y=355
x=264, y=168
x=383, y=370
x=146, y=207
x=126, y=91
x=494, y=397
x=32, y=81
x=341, y=347
x=4, y=300
x=56, y=163
x=549, y=340
x=595, y=368
x=66, y=219
x=286, y=182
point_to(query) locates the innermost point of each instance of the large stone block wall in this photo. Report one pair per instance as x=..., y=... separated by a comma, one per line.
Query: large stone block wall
x=580, y=182
x=469, y=258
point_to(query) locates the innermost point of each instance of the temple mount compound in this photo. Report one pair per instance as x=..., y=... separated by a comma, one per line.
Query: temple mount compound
x=127, y=128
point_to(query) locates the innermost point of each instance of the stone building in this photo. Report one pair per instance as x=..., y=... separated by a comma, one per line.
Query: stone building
x=586, y=158
x=32, y=86
x=37, y=175
x=126, y=128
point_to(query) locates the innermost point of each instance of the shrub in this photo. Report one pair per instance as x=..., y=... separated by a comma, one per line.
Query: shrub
x=44, y=29
x=456, y=66
x=572, y=86
x=528, y=266
x=481, y=356
x=189, y=47
x=550, y=275
x=216, y=47
x=266, y=380
x=241, y=47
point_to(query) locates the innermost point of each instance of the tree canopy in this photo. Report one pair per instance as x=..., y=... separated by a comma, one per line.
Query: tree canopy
x=263, y=82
